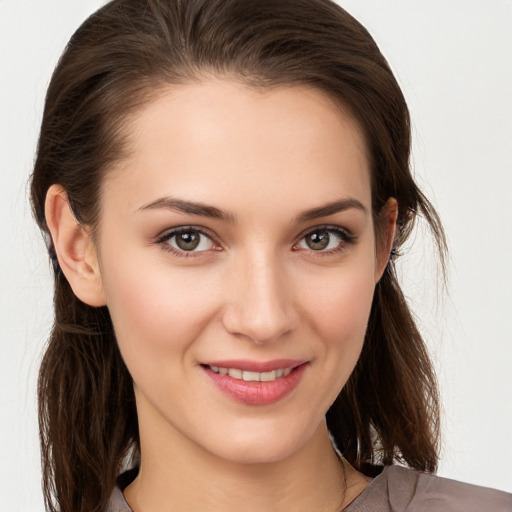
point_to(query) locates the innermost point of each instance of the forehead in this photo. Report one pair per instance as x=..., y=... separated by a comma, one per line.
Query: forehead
x=228, y=142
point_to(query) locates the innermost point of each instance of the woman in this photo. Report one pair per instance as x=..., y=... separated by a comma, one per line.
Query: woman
x=223, y=186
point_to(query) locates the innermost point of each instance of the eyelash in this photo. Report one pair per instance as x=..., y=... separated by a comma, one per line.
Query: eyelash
x=345, y=238
x=164, y=238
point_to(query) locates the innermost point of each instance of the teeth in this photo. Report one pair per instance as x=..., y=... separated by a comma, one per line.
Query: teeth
x=267, y=376
x=247, y=376
x=251, y=376
x=235, y=373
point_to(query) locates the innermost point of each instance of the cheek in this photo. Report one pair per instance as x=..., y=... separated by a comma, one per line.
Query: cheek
x=339, y=312
x=155, y=312
x=341, y=305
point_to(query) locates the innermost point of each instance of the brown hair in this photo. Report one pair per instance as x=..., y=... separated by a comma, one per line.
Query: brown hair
x=114, y=63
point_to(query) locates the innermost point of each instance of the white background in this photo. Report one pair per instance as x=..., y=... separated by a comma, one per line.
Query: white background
x=453, y=59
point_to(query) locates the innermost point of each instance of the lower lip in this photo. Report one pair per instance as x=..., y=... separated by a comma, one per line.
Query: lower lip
x=256, y=393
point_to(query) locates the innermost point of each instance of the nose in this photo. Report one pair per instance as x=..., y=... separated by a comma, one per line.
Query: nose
x=260, y=301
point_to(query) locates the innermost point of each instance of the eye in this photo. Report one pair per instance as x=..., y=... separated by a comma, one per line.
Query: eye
x=186, y=240
x=325, y=239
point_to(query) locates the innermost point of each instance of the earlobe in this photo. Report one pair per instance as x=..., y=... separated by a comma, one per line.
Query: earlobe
x=74, y=247
x=388, y=217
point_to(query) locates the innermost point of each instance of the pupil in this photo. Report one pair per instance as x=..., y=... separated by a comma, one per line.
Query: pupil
x=318, y=240
x=188, y=241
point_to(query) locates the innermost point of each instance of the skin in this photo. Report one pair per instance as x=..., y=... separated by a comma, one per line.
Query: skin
x=253, y=289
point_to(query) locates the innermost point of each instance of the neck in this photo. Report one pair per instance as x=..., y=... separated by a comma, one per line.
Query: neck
x=185, y=478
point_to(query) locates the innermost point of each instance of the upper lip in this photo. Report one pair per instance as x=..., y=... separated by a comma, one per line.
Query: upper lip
x=256, y=366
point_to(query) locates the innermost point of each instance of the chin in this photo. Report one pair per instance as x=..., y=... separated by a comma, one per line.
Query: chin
x=258, y=453
x=262, y=444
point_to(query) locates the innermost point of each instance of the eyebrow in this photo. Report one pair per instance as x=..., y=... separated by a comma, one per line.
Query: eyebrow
x=190, y=207
x=330, y=209
x=204, y=210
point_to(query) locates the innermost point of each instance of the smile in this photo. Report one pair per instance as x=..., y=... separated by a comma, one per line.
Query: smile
x=249, y=376
x=255, y=383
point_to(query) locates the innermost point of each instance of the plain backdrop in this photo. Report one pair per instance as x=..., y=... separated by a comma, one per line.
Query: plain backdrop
x=453, y=59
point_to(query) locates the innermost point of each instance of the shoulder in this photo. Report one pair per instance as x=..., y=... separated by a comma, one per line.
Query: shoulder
x=398, y=489
x=117, y=502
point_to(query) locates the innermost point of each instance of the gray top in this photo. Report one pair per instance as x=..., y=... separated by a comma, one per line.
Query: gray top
x=399, y=489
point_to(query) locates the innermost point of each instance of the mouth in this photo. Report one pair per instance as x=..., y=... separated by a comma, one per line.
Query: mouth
x=254, y=383
x=248, y=376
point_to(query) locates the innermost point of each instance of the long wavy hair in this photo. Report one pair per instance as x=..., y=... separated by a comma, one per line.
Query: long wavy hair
x=115, y=63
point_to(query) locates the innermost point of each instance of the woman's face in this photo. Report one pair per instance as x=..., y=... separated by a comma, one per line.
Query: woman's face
x=238, y=261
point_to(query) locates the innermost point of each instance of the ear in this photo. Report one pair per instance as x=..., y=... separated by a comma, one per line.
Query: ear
x=386, y=236
x=75, y=249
